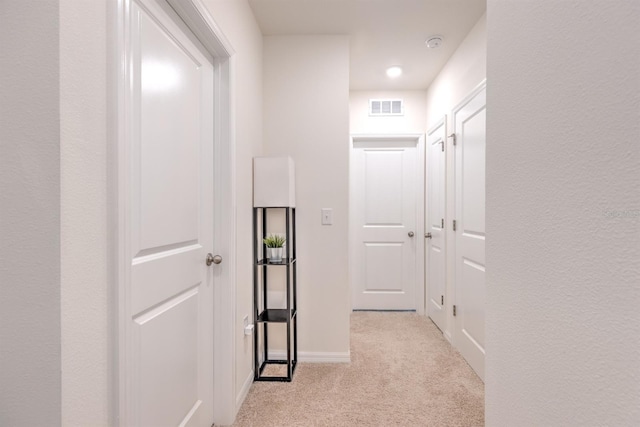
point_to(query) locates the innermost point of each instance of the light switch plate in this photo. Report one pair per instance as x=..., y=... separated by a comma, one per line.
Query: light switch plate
x=327, y=216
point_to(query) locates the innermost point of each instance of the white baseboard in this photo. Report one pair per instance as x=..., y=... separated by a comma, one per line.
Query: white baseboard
x=244, y=391
x=447, y=336
x=314, y=356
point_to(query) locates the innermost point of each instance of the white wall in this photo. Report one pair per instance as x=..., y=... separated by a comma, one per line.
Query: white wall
x=87, y=387
x=415, y=110
x=29, y=215
x=237, y=22
x=466, y=68
x=306, y=116
x=563, y=213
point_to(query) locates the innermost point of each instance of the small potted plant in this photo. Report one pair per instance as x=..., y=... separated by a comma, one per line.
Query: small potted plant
x=274, y=244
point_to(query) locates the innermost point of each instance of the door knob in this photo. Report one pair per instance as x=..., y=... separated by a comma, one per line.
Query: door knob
x=411, y=234
x=427, y=235
x=213, y=259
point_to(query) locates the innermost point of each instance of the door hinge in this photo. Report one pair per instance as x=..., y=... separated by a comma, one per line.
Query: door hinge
x=442, y=223
x=441, y=299
x=453, y=135
x=454, y=225
x=442, y=142
x=454, y=310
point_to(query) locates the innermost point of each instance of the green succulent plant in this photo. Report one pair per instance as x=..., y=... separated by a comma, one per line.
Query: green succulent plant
x=274, y=241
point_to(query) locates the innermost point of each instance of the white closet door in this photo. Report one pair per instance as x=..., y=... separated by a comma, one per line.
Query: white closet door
x=169, y=371
x=470, y=129
x=435, y=241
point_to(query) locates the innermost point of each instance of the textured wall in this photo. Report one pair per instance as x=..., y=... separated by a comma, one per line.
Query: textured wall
x=563, y=213
x=29, y=215
x=306, y=116
x=87, y=372
x=415, y=110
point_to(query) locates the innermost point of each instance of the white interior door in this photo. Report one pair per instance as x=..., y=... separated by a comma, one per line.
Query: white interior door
x=169, y=370
x=470, y=130
x=435, y=238
x=384, y=183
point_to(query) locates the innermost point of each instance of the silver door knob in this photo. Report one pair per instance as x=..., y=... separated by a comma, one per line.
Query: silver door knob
x=213, y=259
x=411, y=234
x=427, y=235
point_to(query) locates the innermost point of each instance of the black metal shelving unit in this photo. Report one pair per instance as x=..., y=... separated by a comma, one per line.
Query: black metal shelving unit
x=265, y=316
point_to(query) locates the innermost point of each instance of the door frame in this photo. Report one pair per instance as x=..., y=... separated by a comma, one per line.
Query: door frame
x=419, y=140
x=198, y=19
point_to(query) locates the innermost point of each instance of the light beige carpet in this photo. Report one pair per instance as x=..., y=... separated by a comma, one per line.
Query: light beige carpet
x=402, y=373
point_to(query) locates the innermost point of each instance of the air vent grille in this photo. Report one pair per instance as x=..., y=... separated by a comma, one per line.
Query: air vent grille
x=386, y=107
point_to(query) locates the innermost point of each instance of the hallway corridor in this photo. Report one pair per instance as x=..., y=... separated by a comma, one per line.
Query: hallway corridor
x=402, y=373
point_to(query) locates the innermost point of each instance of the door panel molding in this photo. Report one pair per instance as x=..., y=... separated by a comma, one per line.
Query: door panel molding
x=199, y=21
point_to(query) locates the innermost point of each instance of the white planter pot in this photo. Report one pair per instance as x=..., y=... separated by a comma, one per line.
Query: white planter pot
x=274, y=254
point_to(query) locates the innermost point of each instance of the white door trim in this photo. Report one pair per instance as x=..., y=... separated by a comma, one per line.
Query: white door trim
x=419, y=140
x=200, y=22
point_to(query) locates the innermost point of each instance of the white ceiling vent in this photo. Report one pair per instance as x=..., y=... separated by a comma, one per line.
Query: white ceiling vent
x=386, y=107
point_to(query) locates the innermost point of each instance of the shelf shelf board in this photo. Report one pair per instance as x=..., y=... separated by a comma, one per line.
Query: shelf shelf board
x=275, y=315
x=285, y=261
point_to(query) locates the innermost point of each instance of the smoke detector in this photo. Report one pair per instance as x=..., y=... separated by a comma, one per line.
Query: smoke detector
x=434, y=42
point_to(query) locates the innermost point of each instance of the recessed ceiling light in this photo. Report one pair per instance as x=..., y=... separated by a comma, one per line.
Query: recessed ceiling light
x=434, y=42
x=394, y=72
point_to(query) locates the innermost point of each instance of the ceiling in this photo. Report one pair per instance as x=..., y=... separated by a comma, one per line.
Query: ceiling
x=383, y=33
